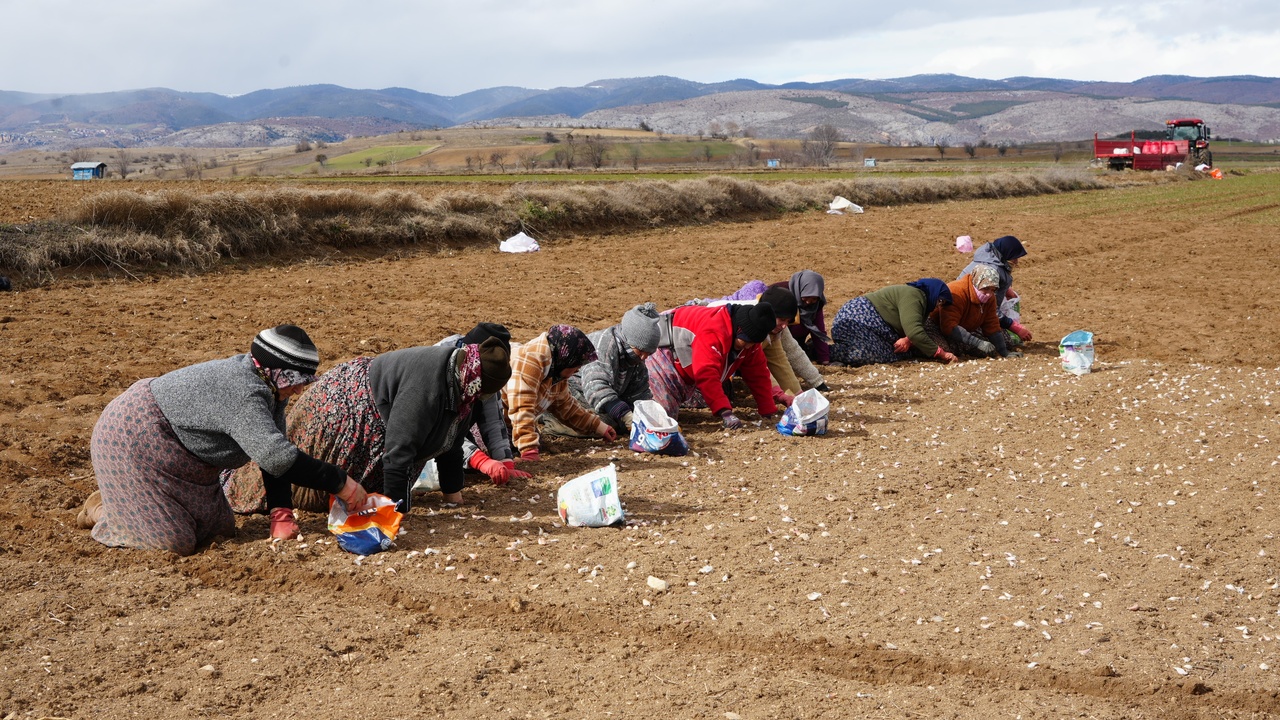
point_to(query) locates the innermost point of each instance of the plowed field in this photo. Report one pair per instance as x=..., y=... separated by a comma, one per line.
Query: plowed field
x=986, y=539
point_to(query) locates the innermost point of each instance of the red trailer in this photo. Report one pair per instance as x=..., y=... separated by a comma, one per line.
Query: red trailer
x=1185, y=139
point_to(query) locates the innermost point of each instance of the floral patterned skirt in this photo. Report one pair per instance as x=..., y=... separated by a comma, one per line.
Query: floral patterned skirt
x=859, y=336
x=156, y=495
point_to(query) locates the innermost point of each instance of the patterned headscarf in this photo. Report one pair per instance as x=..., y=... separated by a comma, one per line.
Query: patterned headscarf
x=280, y=378
x=985, y=276
x=466, y=360
x=934, y=290
x=570, y=347
x=808, y=283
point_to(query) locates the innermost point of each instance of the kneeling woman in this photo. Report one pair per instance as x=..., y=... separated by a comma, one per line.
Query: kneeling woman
x=383, y=418
x=157, y=450
x=884, y=325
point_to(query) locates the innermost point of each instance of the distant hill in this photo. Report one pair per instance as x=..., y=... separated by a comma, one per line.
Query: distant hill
x=916, y=109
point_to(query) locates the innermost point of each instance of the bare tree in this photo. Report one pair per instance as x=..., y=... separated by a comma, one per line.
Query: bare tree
x=715, y=130
x=941, y=146
x=819, y=147
x=570, y=150
x=81, y=154
x=1057, y=151
x=633, y=152
x=1002, y=149
x=191, y=166
x=597, y=148
x=971, y=150
x=122, y=162
x=529, y=159
x=322, y=159
x=731, y=128
x=303, y=146
x=499, y=158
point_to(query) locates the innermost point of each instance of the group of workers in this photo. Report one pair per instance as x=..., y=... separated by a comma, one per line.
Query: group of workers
x=176, y=456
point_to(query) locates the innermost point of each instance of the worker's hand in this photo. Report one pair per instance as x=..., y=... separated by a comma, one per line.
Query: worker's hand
x=730, y=421
x=985, y=348
x=823, y=387
x=496, y=471
x=607, y=432
x=903, y=345
x=352, y=495
x=514, y=473
x=530, y=455
x=283, y=526
x=627, y=417
x=944, y=356
x=1021, y=331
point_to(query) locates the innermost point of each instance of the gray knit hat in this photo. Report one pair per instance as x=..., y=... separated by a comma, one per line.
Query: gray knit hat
x=286, y=347
x=640, y=327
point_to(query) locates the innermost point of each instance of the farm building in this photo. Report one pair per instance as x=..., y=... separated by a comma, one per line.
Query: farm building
x=88, y=170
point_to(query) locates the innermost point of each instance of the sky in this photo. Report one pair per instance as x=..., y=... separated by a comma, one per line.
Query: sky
x=450, y=47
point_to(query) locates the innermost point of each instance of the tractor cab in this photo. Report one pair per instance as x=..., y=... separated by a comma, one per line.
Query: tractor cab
x=1195, y=133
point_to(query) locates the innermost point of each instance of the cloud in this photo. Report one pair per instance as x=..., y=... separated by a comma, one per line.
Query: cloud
x=236, y=46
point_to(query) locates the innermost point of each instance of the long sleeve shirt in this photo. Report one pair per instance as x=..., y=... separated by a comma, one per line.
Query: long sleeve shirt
x=531, y=391
x=903, y=307
x=226, y=415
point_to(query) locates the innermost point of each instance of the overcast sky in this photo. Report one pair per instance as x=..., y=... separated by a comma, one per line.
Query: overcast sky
x=451, y=47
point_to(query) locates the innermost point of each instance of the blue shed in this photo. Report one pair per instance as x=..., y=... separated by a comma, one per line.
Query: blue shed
x=88, y=170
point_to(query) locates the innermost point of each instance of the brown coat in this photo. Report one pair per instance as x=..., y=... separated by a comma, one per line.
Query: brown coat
x=966, y=311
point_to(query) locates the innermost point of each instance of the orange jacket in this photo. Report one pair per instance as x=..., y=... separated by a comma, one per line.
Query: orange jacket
x=966, y=311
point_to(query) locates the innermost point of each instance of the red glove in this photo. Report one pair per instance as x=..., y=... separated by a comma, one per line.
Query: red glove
x=1021, y=331
x=529, y=455
x=903, y=345
x=782, y=397
x=496, y=471
x=283, y=525
x=944, y=356
x=516, y=474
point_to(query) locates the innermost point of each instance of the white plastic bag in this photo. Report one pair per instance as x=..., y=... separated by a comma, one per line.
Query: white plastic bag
x=653, y=430
x=842, y=205
x=428, y=480
x=1076, y=352
x=1011, y=307
x=519, y=243
x=591, y=500
x=807, y=415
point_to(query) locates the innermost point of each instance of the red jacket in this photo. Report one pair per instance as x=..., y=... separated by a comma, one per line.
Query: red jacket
x=701, y=340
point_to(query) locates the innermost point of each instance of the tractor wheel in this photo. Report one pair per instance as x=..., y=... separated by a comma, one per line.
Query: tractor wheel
x=1207, y=158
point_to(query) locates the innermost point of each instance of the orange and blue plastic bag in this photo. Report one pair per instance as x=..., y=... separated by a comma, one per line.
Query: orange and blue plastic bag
x=367, y=531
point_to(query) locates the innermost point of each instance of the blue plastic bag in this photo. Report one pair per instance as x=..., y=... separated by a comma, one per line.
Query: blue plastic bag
x=807, y=415
x=653, y=431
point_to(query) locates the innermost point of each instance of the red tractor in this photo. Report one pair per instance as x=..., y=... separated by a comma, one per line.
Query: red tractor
x=1186, y=140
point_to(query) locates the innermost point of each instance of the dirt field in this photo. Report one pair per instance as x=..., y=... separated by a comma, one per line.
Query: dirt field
x=988, y=539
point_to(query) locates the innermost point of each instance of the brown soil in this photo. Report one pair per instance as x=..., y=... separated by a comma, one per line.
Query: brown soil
x=992, y=538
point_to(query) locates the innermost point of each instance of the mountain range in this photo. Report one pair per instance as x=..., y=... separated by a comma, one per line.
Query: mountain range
x=921, y=109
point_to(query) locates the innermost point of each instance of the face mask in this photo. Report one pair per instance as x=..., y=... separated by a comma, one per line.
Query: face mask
x=984, y=296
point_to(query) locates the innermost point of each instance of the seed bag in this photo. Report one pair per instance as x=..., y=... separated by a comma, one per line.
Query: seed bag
x=368, y=531
x=807, y=415
x=1076, y=352
x=591, y=500
x=653, y=431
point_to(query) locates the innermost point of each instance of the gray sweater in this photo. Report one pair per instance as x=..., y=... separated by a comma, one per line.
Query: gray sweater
x=612, y=384
x=226, y=415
